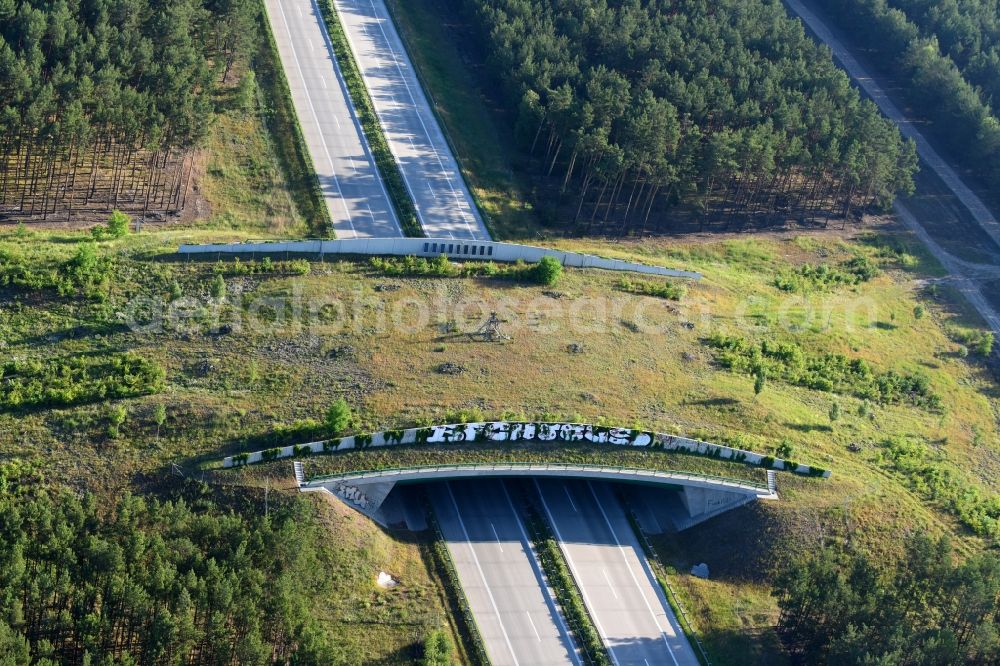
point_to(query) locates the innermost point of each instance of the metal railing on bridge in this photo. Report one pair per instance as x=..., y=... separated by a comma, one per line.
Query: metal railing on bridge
x=624, y=473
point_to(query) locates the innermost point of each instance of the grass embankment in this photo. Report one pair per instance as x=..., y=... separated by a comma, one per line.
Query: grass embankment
x=582, y=351
x=660, y=573
x=375, y=624
x=256, y=175
x=384, y=160
x=484, y=148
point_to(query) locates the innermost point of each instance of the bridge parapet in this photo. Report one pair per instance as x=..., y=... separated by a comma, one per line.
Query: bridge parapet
x=431, y=247
x=521, y=431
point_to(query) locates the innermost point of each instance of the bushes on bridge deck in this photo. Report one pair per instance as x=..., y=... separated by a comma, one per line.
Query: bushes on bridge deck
x=546, y=272
x=521, y=433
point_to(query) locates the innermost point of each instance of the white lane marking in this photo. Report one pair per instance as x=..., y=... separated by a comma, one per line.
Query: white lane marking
x=610, y=584
x=416, y=109
x=322, y=139
x=631, y=573
x=570, y=498
x=576, y=575
x=322, y=82
x=496, y=536
x=357, y=123
x=310, y=43
x=526, y=544
x=535, y=629
x=482, y=576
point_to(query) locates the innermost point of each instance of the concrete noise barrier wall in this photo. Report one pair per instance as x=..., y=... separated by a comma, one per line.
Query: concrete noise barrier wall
x=434, y=247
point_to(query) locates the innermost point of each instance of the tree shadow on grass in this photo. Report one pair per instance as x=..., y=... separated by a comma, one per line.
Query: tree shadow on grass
x=810, y=427
x=715, y=402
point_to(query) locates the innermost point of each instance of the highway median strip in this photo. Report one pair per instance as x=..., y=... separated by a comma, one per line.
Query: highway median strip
x=384, y=159
x=559, y=576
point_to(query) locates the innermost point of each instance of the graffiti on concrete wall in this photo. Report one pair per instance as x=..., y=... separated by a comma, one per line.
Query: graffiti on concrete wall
x=502, y=431
x=513, y=431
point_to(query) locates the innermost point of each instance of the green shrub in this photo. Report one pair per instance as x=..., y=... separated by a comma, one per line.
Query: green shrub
x=936, y=480
x=437, y=649
x=86, y=273
x=77, y=380
x=667, y=290
x=246, y=92
x=117, y=227
x=809, y=277
x=547, y=271
x=785, y=449
x=338, y=417
x=832, y=373
x=118, y=224
x=984, y=346
x=978, y=341
x=218, y=287
x=299, y=267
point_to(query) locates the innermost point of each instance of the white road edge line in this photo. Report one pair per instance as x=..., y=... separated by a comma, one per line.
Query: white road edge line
x=632, y=573
x=496, y=536
x=610, y=584
x=570, y=498
x=573, y=570
x=322, y=139
x=533, y=627
x=486, y=586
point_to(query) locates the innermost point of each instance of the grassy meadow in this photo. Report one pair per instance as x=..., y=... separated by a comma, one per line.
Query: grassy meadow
x=257, y=363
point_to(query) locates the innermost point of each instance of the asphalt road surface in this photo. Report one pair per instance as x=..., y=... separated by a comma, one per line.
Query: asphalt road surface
x=444, y=206
x=513, y=607
x=352, y=189
x=616, y=582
